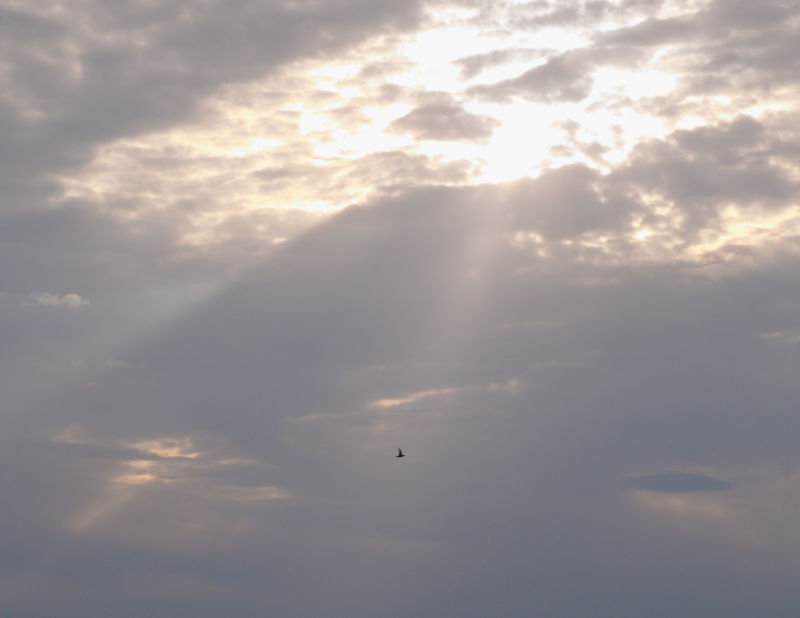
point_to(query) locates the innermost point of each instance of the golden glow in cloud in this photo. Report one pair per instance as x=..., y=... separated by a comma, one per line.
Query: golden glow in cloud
x=316, y=137
x=188, y=468
x=508, y=387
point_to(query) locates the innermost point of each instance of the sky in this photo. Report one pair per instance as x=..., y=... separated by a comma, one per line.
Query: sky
x=250, y=248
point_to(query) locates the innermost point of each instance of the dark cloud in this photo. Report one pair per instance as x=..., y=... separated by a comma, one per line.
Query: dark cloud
x=476, y=64
x=445, y=122
x=90, y=74
x=617, y=369
x=382, y=69
x=567, y=202
x=703, y=170
x=753, y=45
x=396, y=169
x=81, y=75
x=654, y=32
x=562, y=77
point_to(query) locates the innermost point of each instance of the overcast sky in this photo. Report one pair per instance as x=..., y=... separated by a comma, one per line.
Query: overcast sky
x=250, y=248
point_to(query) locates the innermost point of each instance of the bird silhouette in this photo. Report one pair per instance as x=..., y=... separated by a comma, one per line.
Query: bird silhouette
x=400, y=453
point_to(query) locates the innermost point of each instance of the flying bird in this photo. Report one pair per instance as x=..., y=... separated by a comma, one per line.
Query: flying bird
x=399, y=453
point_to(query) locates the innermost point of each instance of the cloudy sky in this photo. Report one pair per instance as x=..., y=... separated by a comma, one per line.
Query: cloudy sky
x=550, y=248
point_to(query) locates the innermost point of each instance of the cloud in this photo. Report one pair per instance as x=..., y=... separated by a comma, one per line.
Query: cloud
x=98, y=75
x=755, y=45
x=445, y=121
x=702, y=171
x=73, y=301
x=567, y=202
x=619, y=362
x=565, y=77
x=560, y=78
x=216, y=436
x=676, y=482
x=439, y=392
x=651, y=32
x=475, y=64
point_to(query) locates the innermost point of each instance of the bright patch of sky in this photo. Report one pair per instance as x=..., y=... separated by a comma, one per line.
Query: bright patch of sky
x=233, y=135
x=309, y=138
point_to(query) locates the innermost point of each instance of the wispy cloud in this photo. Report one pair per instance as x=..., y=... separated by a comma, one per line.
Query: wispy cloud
x=72, y=301
x=508, y=387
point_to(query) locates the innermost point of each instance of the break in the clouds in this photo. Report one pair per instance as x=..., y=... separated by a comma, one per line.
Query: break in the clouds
x=549, y=249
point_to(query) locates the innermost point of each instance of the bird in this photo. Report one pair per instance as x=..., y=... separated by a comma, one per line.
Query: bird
x=400, y=453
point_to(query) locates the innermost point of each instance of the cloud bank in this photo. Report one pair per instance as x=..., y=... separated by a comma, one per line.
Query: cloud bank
x=549, y=249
